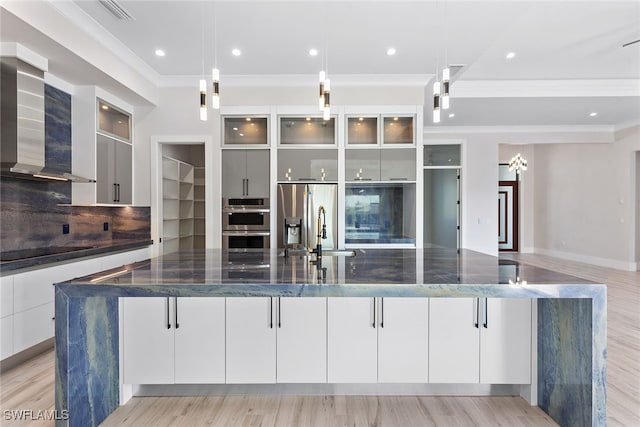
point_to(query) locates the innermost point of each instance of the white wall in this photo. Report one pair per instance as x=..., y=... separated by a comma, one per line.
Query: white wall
x=584, y=200
x=637, y=209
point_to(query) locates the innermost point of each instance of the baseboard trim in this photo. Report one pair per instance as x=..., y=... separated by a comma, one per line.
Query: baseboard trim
x=602, y=262
x=330, y=389
x=29, y=353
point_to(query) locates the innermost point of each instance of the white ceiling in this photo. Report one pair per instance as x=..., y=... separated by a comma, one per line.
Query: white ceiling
x=572, y=50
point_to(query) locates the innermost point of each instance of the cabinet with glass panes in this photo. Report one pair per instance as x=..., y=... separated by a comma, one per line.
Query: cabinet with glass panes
x=245, y=130
x=306, y=130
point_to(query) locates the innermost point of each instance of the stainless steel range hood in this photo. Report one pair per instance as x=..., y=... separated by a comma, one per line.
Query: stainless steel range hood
x=22, y=140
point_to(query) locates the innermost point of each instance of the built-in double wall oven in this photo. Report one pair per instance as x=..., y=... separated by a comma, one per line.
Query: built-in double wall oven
x=246, y=223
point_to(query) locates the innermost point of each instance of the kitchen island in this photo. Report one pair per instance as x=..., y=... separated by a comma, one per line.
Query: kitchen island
x=571, y=313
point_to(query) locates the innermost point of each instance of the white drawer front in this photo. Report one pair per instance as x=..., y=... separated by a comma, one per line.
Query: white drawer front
x=6, y=337
x=32, y=326
x=34, y=288
x=6, y=296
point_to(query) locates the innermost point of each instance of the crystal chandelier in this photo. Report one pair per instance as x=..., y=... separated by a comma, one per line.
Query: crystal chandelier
x=518, y=163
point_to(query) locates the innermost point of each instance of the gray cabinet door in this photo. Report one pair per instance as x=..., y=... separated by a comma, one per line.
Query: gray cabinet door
x=105, y=188
x=114, y=173
x=123, y=175
x=234, y=170
x=257, y=173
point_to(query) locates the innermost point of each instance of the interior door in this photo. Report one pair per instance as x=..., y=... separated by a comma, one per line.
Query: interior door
x=508, y=216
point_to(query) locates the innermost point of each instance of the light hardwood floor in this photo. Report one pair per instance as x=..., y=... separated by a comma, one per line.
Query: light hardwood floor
x=30, y=386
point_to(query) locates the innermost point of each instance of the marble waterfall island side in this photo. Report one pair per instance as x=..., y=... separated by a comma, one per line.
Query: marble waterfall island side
x=571, y=313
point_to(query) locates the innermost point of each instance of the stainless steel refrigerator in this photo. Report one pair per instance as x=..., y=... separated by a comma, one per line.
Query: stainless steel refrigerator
x=299, y=204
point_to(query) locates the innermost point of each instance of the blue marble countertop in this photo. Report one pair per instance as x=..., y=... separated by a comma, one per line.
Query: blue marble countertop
x=13, y=261
x=372, y=272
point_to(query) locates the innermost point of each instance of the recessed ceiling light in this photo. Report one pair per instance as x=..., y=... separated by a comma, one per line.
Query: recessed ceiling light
x=593, y=114
x=452, y=115
x=313, y=52
x=391, y=51
x=511, y=55
x=160, y=52
x=235, y=128
x=105, y=107
x=236, y=52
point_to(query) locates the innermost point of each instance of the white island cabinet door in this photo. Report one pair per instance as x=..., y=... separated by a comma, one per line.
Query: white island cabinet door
x=251, y=340
x=352, y=340
x=505, y=342
x=302, y=340
x=199, y=340
x=403, y=340
x=148, y=340
x=454, y=340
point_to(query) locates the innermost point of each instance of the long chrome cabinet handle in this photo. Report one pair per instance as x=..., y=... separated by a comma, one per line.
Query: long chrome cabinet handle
x=476, y=312
x=115, y=192
x=168, y=319
x=374, y=312
x=382, y=312
x=279, y=313
x=271, y=312
x=486, y=314
x=175, y=312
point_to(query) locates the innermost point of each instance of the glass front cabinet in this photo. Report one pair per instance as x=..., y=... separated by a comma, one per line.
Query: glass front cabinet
x=380, y=180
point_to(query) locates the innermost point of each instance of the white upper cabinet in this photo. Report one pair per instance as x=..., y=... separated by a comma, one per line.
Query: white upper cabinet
x=114, y=173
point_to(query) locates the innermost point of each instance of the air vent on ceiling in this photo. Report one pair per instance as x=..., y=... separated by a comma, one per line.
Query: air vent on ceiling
x=117, y=10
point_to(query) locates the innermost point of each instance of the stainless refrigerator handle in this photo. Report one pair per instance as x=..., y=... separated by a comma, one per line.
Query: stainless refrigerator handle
x=168, y=319
x=486, y=314
x=476, y=309
x=175, y=312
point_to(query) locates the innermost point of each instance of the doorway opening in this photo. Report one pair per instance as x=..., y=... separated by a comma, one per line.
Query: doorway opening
x=508, y=215
x=183, y=197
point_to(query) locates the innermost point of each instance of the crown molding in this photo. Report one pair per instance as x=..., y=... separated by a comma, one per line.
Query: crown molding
x=25, y=54
x=299, y=80
x=545, y=88
x=530, y=134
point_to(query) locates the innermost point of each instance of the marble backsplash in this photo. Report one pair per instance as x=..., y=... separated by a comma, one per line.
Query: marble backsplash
x=31, y=216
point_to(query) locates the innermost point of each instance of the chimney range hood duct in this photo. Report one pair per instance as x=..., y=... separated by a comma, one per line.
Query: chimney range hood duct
x=22, y=140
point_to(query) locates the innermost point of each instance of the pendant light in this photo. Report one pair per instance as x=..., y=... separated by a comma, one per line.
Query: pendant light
x=326, y=112
x=436, y=102
x=215, y=73
x=445, y=88
x=203, y=100
x=321, y=79
x=203, y=83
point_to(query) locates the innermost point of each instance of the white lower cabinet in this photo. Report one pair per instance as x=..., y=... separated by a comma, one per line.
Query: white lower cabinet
x=352, y=340
x=302, y=340
x=6, y=336
x=378, y=340
x=33, y=326
x=403, y=340
x=173, y=340
x=251, y=340
x=505, y=342
x=480, y=340
x=276, y=340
